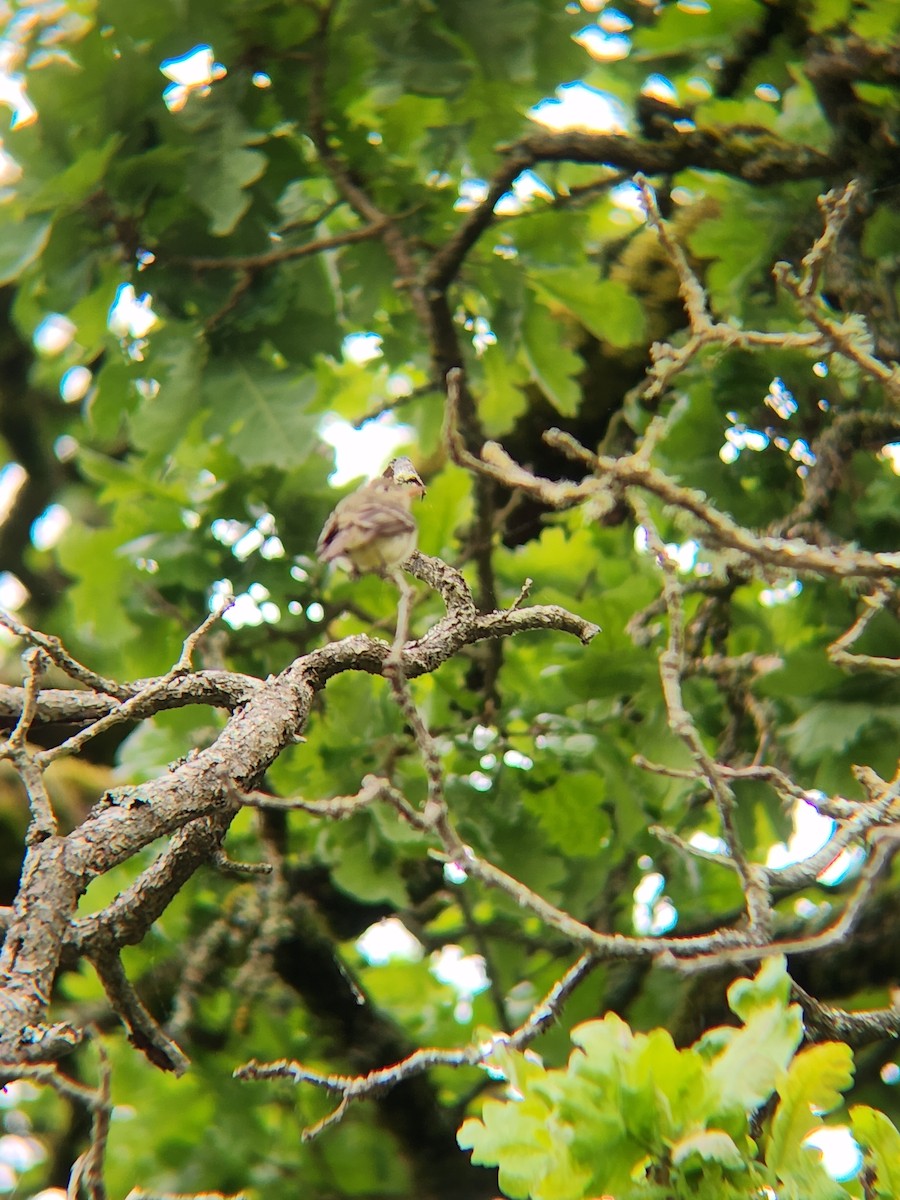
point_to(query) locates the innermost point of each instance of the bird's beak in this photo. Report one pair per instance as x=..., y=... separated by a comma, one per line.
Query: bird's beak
x=415, y=485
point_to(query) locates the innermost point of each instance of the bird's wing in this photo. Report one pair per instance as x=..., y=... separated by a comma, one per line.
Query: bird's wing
x=366, y=521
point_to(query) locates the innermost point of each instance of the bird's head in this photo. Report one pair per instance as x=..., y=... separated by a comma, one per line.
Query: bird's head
x=401, y=473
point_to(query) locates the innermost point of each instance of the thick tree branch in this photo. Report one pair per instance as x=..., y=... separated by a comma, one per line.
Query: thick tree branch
x=58, y=869
x=58, y=706
x=755, y=155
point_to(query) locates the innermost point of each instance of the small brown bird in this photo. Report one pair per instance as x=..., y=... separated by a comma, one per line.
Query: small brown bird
x=373, y=530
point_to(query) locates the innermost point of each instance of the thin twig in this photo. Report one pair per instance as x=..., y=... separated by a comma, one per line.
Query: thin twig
x=671, y=670
x=143, y=1031
x=43, y=821
x=269, y=926
x=58, y=654
x=280, y=254
x=94, y=1182
x=885, y=843
x=132, y=706
x=839, y=650
x=523, y=595
x=836, y=207
x=436, y=805
x=792, y=554
x=69, y=1089
x=689, y=286
x=848, y=337
x=230, y=866
x=351, y=1088
x=36, y=663
x=338, y=808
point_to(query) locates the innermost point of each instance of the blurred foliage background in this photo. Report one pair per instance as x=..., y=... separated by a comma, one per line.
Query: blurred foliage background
x=237, y=235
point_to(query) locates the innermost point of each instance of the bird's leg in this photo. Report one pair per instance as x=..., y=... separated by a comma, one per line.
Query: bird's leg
x=404, y=608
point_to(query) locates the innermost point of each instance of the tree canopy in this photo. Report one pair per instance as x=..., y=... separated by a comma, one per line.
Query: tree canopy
x=574, y=876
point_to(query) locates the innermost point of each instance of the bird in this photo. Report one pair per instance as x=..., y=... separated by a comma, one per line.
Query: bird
x=373, y=530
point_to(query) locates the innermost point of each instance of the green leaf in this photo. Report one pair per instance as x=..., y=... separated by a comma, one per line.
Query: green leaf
x=221, y=193
x=501, y=35
x=880, y=1140
x=93, y=557
x=175, y=360
x=604, y=306
x=694, y=31
x=78, y=181
x=740, y=239
x=570, y=812
x=551, y=363
x=21, y=242
x=745, y=1074
x=813, y=1085
x=567, y=1137
x=417, y=55
x=654, y=1084
x=709, y=1144
x=90, y=313
x=221, y=167
x=520, y=1138
x=446, y=508
x=829, y=727
x=522, y=1070
x=770, y=985
x=114, y=396
x=501, y=395
x=261, y=413
x=362, y=867
x=877, y=22
x=827, y=14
